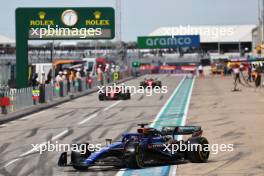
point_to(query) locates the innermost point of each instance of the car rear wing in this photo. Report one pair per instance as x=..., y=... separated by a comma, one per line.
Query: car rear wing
x=182, y=130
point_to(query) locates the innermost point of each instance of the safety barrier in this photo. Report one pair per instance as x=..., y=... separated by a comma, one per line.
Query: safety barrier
x=16, y=99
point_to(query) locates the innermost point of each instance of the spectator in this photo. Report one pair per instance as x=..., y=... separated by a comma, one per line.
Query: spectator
x=78, y=80
x=225, y=69
x=100, y=75
x=59, y=82
x=253, y=70
x=42, y=88
x=113, y=69
x=241, y=67
x=34, y=80
x=59, y=77
x=200, y=70
x=72, y=78
x=258, y=78
x=236, y=71
x=249, y=73
x=65, y=75
x=78, y=74
x=49, y=77
x=42, y=80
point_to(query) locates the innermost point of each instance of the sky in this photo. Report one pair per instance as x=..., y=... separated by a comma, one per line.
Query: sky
x=141, y=17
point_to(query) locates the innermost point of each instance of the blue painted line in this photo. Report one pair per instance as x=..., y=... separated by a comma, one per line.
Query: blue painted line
x=173, y=113
x=153, y=171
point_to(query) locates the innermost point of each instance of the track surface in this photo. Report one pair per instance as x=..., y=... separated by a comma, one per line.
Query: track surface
x=226, y=117
x=82, y=120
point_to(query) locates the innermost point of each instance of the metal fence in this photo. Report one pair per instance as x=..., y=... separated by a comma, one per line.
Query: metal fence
x=26, y=97
x=19, y=98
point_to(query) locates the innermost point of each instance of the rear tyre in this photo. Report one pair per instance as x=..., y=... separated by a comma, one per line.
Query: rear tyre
x=201, y=153
x=142, y=85
x=101, y=97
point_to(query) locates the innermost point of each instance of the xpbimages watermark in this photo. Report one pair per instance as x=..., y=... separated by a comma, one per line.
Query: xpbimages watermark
x=168, y=148
x=64, y=32
x=57, y=147
x=214, y=32
x=185, y=147
x=149, y=90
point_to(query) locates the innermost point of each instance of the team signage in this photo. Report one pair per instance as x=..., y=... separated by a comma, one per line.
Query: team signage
x=154, y=42
x=58, y=24
x=135, y=64
x=35, y=94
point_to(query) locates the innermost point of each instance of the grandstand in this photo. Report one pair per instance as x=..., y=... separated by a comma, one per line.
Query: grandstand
x=215, y=39
x=7, y=45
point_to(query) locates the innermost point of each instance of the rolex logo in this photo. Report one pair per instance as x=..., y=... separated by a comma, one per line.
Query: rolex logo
x=42, y=15
x=97, y=15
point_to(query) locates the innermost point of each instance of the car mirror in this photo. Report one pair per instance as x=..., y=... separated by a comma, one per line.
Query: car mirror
x=108, y=141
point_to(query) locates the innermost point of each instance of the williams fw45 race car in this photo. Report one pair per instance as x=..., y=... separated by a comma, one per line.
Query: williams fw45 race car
x=150, y=83
x=147, y=147
x=114, y=92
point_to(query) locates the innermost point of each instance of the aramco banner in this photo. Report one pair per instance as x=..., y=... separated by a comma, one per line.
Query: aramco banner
x=156, y=42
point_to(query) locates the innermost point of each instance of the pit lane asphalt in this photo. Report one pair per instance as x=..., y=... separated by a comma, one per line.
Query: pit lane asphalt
x=82, y=120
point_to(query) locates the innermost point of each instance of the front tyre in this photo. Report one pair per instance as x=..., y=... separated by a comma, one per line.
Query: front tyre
x=158, y=84
x=78, y=158
x=80, y=168
x=62, y=160
x=134, y=156
x=128, y=96
x=200, y=150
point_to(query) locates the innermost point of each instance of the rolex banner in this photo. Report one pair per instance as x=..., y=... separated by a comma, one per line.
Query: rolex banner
x=68, y=23
x=63, y=23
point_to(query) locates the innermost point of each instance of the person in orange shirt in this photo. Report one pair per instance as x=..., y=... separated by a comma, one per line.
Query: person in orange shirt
x=72, y=78
x=257, y=78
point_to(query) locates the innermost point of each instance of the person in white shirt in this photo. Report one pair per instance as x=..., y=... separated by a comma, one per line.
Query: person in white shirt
x=59, y=77
x=113, y=69
x=200, y=70
x=64, y=76
x=100, y=75
x=78, y=74
x=236, y=71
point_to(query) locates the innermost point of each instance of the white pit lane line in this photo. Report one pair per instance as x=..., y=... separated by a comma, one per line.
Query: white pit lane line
x=116, y=103
x=112, y=105
x=87, y=119
x=32, y=115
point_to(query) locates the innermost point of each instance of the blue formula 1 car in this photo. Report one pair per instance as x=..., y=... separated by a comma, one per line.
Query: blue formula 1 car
x=147, y=147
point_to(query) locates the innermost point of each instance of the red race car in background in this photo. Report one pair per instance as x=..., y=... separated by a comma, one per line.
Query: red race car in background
x=114, y=93
x=150, y=83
